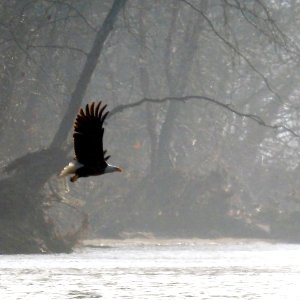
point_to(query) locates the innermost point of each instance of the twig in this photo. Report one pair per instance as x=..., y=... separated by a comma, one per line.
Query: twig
x=58, y=47
x=70, y=6
x=238, y=52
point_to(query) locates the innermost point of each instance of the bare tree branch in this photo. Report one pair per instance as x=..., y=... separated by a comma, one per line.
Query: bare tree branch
x=58, y=47
x=257, y=119
x=24, y=49
x=237, y=51
x=274, y=32
x=76, y=11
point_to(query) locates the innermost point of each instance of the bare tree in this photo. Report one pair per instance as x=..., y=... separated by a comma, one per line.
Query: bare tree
x=26, y=204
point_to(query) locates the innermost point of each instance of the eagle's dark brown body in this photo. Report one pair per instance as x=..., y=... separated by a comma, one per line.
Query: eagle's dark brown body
x=90, y=158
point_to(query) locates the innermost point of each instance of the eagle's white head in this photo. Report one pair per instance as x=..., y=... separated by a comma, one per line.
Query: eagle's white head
x=111, y=169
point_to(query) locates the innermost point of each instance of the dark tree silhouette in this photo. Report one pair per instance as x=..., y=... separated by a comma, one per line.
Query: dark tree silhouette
x=24, y=224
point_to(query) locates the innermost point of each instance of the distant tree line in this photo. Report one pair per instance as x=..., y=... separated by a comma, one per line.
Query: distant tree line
x=204, y=119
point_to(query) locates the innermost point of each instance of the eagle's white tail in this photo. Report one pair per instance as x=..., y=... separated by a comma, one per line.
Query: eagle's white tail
x=70, y=169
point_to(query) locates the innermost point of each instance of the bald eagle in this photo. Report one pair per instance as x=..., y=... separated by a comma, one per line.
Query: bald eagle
x=90, y=158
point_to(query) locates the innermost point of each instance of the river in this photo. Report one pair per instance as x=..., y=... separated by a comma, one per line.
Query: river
x=197, y=269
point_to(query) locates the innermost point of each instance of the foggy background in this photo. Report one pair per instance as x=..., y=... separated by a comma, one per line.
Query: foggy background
x=211, y=151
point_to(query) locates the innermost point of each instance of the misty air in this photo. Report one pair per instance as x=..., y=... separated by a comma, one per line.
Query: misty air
x=149, y=149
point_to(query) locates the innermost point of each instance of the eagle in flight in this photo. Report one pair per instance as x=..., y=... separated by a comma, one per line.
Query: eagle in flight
x=90, y=158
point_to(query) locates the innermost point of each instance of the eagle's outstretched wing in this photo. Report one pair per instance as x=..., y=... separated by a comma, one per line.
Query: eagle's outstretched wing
x=88, y=136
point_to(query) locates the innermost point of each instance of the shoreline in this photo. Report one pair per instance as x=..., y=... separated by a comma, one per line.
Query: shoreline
x=142, y=242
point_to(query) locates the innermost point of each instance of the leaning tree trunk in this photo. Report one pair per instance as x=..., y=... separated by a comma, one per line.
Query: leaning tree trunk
x=86, y=74
x=23, y=225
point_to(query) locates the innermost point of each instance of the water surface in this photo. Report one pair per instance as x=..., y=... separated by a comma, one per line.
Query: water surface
x=177, y=270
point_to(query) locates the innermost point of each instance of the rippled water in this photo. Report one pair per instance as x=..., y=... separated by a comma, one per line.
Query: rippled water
x=202, y=270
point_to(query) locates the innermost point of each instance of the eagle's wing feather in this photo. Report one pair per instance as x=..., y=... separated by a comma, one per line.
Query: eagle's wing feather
x=88, y=136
